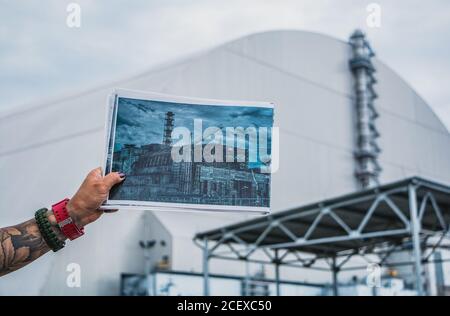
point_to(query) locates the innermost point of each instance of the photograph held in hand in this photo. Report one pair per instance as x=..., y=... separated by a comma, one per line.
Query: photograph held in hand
x=191, y=154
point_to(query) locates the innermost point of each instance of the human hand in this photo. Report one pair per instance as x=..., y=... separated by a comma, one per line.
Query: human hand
x=84, y=205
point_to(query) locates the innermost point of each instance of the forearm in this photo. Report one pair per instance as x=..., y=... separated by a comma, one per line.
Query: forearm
x=22, y=244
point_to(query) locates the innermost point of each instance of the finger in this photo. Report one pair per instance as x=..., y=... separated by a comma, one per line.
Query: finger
x=112, y=179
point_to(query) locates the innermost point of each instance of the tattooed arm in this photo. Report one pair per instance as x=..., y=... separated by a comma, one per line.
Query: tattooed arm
x=20, y=245
x=23, y=243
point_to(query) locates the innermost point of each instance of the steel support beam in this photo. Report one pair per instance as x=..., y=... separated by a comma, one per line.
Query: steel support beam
x=335, y=271
x=324, y=240
x=288, y=264
x=205, y=268
x=277, y=273
x=394, y=264
x=415, y=230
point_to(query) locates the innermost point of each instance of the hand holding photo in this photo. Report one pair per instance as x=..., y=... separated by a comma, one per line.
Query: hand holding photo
x=192, y=154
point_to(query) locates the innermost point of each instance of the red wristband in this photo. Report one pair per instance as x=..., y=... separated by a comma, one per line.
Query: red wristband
x=65, y=222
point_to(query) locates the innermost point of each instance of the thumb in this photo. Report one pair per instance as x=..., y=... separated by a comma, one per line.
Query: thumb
x=96, y=173
x=112, y=179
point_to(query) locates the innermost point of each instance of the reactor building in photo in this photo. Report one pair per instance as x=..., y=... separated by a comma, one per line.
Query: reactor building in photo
x=152, y=175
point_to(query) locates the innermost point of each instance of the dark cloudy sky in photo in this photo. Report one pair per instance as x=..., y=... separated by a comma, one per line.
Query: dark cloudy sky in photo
x=141, y=122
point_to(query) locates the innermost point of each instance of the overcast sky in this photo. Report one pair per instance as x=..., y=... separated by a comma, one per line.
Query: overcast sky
x=41, y=57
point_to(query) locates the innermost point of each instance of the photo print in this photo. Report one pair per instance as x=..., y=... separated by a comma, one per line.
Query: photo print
x=190, y=153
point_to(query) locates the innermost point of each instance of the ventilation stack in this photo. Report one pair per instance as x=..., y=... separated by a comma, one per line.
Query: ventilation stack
x=168, y=128
x=367, y=150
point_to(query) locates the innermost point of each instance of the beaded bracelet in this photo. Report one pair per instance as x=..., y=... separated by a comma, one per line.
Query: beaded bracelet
x=46, y=230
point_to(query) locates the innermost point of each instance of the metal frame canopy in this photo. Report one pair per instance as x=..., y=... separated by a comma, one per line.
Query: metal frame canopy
x=395, y=217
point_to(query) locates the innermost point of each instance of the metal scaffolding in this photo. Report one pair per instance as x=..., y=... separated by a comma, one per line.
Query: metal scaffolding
x=324, y=236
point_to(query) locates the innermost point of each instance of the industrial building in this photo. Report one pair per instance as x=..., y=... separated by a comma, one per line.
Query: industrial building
x=348, y=125
x=152, y=175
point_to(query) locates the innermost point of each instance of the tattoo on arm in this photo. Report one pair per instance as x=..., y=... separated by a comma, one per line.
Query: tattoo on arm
x=20, y=245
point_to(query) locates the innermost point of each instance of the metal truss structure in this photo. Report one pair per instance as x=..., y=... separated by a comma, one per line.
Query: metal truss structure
x=412, y=214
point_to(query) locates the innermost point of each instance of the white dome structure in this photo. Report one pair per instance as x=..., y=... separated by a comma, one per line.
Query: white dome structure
x=48, y=148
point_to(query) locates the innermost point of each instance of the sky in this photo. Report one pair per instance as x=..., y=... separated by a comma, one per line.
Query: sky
x=41, y=57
